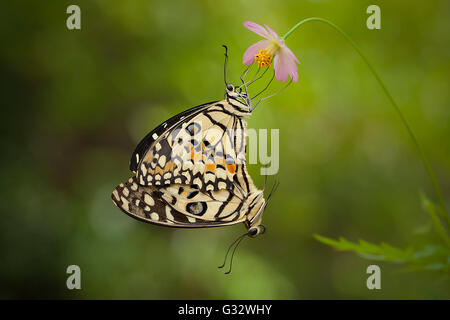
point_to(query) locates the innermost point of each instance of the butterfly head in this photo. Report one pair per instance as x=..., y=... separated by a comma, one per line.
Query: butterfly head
x=236, y=93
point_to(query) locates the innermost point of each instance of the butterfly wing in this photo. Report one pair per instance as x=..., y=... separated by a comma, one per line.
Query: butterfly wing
x=203, y=146
x=179, y=205
x=150, y=138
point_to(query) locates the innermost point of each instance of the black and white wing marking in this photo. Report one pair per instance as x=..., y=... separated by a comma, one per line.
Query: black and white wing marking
x=204, y=147
x=150, y=138
x=180, y=205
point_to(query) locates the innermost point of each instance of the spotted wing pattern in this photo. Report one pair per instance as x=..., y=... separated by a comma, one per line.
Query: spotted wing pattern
x=179, y=205
x=203, y=147
x=151, y=137
x=186, y=206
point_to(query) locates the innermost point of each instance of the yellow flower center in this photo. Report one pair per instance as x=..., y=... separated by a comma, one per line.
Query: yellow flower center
x=264, y=58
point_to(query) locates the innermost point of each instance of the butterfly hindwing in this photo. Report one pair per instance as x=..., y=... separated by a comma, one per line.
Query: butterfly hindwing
x=222, y=205
x=178, y=205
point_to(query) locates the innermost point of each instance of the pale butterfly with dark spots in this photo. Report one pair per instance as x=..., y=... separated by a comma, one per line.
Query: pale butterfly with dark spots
x=190, y=171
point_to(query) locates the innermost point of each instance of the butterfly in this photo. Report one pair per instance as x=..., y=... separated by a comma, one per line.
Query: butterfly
x=190, y=171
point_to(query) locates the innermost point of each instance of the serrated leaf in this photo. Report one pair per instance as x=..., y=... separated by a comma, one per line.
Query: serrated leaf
x=369, y=247
x=429, y=258
x=328, y=241
x=369, y=250
x=396, y=254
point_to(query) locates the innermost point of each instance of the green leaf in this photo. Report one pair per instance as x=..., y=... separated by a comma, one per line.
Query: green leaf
x=369, y=250
x=435, y=212
x=430, y=257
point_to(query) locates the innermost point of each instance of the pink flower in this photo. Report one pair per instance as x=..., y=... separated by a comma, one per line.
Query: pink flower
x=284, y=61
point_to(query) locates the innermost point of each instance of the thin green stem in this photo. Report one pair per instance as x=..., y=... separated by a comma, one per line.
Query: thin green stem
x=424, y=158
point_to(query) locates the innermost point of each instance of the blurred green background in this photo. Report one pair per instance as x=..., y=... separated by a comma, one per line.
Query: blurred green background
x=76, y=103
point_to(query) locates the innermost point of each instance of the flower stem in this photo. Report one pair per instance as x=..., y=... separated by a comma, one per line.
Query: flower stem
x=424, y=158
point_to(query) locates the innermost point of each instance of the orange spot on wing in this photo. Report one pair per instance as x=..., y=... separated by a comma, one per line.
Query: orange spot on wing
x=231, y=168
x=210, y=167
x=169, y=167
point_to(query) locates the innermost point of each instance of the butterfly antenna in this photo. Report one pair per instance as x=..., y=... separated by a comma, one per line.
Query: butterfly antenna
x=265, y=88
x=274, y=188
x=253, y=79
x=256, y=79
x=225, y=64
x=265, y=182
x=262, y=99
x=234, y=250
x=238, y=239
x=244, y=74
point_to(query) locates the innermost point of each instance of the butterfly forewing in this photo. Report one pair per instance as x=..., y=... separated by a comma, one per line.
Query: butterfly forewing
x=150, y=138
x=204, y=147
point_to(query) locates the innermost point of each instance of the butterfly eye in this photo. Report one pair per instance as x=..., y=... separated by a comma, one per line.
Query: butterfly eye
x=230, y=87
x=257, y=230
x=253, y=232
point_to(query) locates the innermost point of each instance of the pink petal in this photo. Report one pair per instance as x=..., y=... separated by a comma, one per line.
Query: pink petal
x=281, y=72
x=290, y=53
x=256, y=28
x=249, y=54
x=285, y=65
x=273, y=33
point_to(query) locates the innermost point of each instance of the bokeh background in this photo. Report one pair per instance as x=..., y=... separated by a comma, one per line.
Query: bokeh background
x=75, y=104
